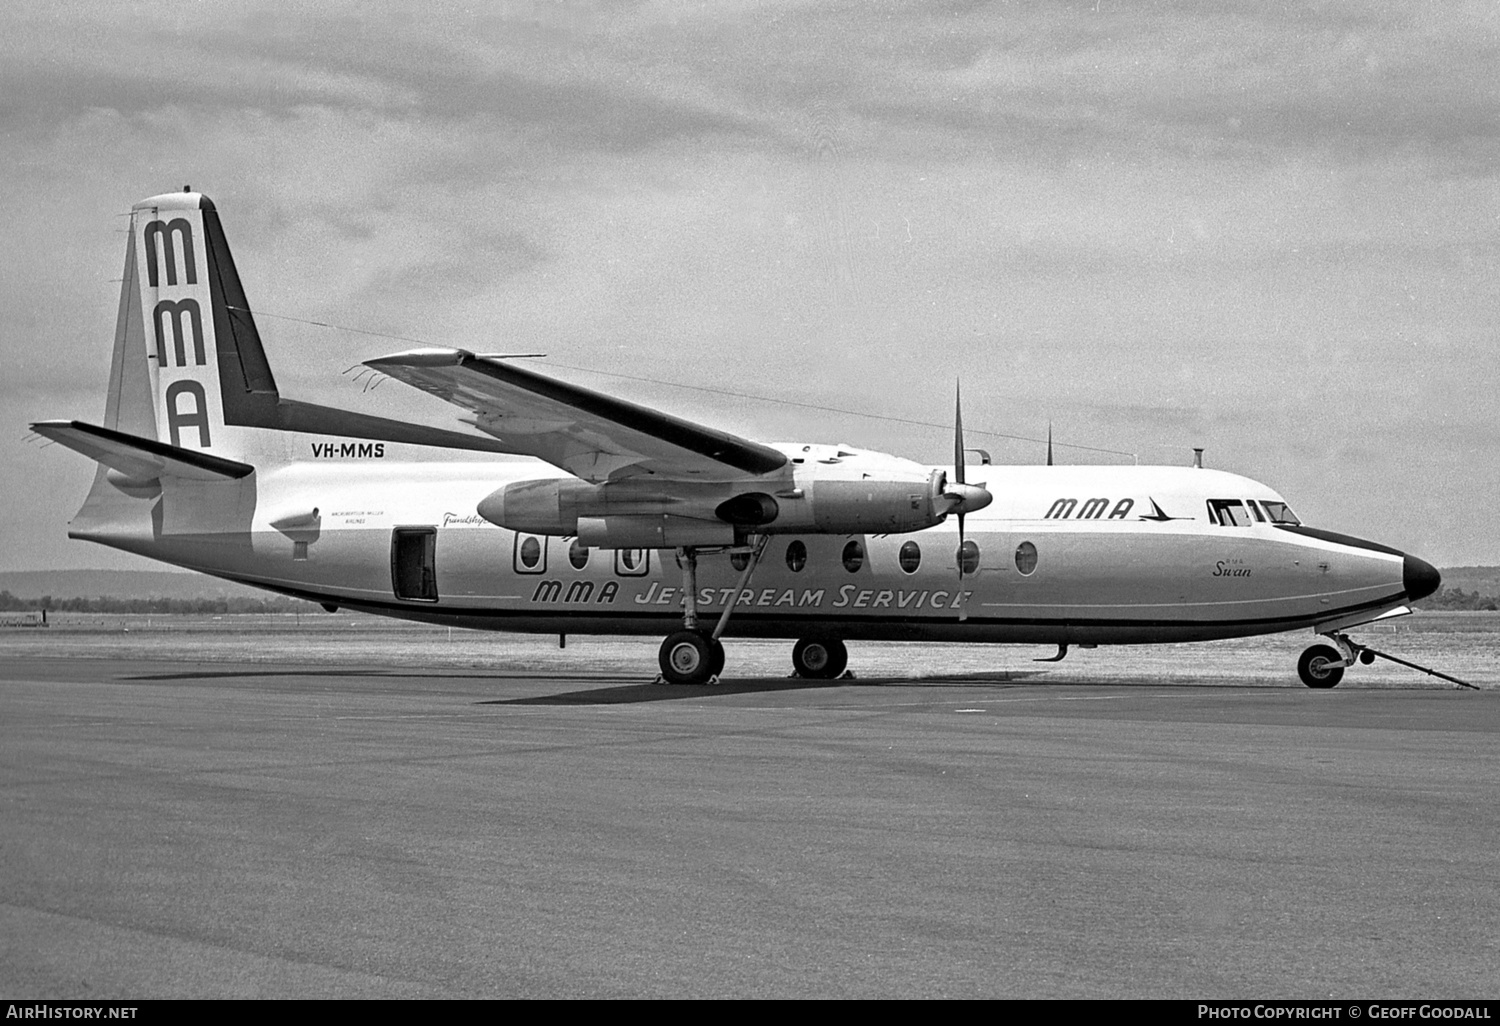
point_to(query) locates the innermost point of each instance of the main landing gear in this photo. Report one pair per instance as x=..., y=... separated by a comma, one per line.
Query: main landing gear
x=819, y=658
x=693, y=655
x=1322, y=666
x=696, y=656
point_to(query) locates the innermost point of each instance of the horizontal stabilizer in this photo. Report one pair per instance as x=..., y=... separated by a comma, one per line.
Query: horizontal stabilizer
x=139, y=458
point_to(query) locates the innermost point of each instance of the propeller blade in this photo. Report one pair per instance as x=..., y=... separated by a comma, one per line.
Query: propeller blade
x=958, y=438
x=963, y=606
x=958, y=478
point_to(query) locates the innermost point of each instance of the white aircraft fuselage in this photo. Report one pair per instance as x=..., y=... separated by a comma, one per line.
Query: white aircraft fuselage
x=557, y=509
x=1102, y=574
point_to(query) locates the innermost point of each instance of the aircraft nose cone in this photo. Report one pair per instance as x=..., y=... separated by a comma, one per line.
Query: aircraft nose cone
x=1419, y=577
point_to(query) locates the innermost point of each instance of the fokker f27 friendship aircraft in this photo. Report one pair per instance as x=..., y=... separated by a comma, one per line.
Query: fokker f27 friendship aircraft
x=631, y=521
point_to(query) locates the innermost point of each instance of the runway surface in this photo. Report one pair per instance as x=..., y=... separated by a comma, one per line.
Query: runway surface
x=178, y=827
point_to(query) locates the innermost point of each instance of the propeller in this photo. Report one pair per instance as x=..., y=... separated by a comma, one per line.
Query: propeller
x=964, y=497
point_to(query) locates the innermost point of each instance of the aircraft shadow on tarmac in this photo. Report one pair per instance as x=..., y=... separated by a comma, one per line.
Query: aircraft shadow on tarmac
x=225, y=674
x=647, y=691
x=638, y=692
x=627, y=691
x=655, y=692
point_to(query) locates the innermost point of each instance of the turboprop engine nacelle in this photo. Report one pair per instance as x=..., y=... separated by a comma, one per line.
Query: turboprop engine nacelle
x=858, y=507
x=619, y=515
x=647, y=513
x=879, y=504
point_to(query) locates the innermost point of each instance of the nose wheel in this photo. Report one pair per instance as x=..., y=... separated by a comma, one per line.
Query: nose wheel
x=1321, y=666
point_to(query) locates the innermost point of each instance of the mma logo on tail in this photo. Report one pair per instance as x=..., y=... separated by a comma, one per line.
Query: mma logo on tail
x=166, y=232
x=177, y=311
x=179, y=418
x=181, y=347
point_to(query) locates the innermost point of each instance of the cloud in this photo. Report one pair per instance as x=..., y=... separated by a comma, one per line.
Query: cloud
x=1247, y=222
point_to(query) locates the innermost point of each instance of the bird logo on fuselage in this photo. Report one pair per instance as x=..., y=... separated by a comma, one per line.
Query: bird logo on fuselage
x=1157, y=515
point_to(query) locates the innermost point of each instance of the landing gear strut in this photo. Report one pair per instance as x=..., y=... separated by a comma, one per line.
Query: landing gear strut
x=693, y=655
x=1322, y=666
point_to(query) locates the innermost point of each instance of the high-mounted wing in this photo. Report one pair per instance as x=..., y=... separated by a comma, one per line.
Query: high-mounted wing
x=590, y=435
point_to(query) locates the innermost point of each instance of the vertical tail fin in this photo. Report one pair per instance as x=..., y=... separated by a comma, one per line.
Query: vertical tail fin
x=182, y=302
x=189, y=367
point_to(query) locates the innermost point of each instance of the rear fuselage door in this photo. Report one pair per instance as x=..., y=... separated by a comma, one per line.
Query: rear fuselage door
x=414, y=563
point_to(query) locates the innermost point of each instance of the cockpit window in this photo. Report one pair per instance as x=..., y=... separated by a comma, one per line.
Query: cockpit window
x=1280, y=513
x=1260, y=518
x=1228, y=513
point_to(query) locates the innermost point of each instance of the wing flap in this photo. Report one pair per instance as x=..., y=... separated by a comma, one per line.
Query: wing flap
x=589, y=434
x=136, y=457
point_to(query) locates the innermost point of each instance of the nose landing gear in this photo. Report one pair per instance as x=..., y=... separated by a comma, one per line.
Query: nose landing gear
x=1322, y=666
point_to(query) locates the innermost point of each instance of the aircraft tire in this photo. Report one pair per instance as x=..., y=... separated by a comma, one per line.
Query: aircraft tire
x=819, y=658
x=688, y=657
x=718, y=658
x=1321, y=667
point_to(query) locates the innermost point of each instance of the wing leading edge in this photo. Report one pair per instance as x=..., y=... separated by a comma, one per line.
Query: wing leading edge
x=591, y=435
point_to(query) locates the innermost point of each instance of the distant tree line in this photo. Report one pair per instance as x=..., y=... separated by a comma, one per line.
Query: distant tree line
x=198, y=606
x=1457, y=598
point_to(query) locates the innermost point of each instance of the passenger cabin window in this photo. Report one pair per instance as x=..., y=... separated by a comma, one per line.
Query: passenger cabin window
x=796, y=557
x=968, y=557
x=632, y=562
x=1228, y=513
x=414, y=563
x=530, y=556
x=1026, y=558
x=1280, y=513
x=910, y=557
x=578, y=554
x=854, y=556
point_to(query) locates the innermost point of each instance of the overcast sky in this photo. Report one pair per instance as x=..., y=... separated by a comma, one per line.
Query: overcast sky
x=1272, y=230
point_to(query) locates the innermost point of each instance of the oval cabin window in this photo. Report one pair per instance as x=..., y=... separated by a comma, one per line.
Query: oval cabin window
x=854, y=556
x=968, y=557
x=910, y=557
x=531, y=553
x=796, y=557
x=578, y=555
x=1026, y=558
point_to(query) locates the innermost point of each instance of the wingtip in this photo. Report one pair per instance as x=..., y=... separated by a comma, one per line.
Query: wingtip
x=430, y=356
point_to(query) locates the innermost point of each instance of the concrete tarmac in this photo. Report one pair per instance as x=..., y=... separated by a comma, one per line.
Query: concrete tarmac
x=171, y=829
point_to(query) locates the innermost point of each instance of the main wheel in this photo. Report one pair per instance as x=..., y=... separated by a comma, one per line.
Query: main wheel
x=1321, y=667
x=688, y=657
x=819, y=658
